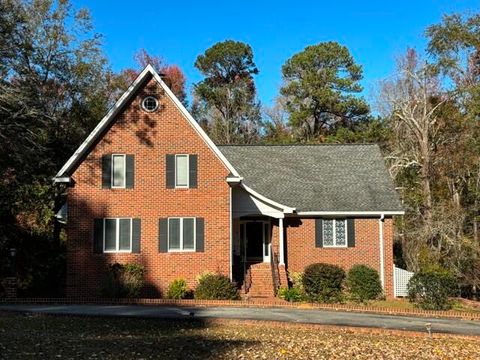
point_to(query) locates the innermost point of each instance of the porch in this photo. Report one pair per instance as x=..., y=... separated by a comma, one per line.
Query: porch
x=258, y=246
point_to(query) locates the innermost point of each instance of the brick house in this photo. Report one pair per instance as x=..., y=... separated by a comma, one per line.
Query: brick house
x=148, y=186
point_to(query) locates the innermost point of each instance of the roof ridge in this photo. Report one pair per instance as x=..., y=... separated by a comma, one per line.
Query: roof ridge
x=297, y=144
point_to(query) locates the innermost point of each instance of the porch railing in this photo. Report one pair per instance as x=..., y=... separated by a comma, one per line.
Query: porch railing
x=275, y=273
x=247, y=281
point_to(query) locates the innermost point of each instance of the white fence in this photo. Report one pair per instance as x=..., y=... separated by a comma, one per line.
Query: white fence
x=400, y=281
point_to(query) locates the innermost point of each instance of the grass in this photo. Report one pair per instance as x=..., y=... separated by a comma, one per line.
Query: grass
x=36, y=336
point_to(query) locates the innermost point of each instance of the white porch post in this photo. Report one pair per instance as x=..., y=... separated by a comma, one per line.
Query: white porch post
x=280, y=241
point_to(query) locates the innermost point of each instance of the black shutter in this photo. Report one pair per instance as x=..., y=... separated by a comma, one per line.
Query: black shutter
x=163, y=235
x=318, y=233
x=200, y=233
x=130, y=171
x=107, y=171
x=192, y=171
x=170, y=171
x=351, y=232
x=98, y=236
x=136, y=235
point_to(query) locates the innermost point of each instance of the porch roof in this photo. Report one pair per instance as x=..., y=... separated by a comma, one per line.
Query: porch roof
x=317, y=178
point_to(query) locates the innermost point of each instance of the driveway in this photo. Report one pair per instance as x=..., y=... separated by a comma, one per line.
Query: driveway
x=323, y=317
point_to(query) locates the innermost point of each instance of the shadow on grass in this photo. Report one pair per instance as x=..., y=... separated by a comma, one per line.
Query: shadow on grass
x=32, y=336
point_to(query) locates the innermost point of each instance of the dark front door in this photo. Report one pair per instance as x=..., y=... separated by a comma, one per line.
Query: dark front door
x=254, y=240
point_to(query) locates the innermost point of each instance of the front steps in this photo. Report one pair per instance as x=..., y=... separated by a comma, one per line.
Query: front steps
x=261, y=280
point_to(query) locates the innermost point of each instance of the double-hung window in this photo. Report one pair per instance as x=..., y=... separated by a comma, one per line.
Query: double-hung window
x=118, y=171
x=117, y=235
x=335, y=233
x=181, y=171
x=181, y=234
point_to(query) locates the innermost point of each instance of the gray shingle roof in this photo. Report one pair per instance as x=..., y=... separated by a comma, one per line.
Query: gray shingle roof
x=317, y=177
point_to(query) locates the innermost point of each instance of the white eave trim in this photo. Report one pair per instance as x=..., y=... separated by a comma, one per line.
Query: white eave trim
x=234, y=179
x=64, y=171
x=350, y=213
x=62, y=179
x=285, y=209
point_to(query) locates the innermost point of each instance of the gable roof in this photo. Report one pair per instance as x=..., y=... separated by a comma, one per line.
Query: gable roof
x=66, y=171
x=318, y=179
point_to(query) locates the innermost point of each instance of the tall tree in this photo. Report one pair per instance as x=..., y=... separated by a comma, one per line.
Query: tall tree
x=321, y=84
x=412, y=100
x=172, y=74
x=53, y=89
x=225, y=100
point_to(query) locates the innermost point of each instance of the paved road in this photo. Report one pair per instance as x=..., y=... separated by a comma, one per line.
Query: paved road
x=323, y=317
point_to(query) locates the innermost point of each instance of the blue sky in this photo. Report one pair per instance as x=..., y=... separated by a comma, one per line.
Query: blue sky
x=376, y=32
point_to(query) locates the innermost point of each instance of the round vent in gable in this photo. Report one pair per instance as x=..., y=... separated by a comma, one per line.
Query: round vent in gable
x=149, y=104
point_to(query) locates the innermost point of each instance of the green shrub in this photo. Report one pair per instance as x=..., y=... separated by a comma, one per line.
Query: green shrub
x=363, y=283
x=296, y=280
x=323, y=282
x=430, y=289
x=215, y=287
x=123, y=280
x=177, y=289
x=293, y=294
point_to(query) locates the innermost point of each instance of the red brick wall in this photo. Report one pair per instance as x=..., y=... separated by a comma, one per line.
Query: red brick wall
x=301, y=250
x=149, y=136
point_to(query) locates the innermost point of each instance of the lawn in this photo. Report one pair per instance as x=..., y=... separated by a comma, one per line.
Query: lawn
x=35, y=336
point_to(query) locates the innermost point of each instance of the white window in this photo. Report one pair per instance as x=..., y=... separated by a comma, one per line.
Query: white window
x=150, y=104
x=334, y=233
x=117, y=235
x=181, y=171
x=118, y=170
x=181, y=234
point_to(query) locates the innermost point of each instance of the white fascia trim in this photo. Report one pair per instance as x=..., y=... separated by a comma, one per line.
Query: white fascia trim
x=353, y=213
x=63, y=179
x=192, y=121
x=234, y=180
x=285, y=209
x=116, y=108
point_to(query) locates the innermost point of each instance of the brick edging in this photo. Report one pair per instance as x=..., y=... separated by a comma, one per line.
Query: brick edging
x=259, y=303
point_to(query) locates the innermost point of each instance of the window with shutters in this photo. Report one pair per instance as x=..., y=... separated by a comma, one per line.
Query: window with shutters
x=118, y=171
x=117, y=235
x=181, y=234
x=181, y=171
x=334, y=233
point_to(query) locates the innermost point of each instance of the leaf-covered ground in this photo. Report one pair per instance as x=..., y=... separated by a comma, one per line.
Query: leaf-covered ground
x=35, y=336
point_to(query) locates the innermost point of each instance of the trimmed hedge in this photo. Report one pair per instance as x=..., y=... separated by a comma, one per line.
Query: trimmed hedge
x=123, y=280
x=323, y=282
x=363, y=283
x=430, y=289
x=215, y=287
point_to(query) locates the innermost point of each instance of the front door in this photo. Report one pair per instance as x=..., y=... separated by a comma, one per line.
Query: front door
x=256, y=241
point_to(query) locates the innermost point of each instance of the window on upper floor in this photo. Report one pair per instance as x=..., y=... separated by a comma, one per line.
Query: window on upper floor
x=181, y=171
x=118, y=171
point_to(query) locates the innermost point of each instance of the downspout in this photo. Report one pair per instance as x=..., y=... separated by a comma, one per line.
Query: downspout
x=231, y=236
x=382, y=250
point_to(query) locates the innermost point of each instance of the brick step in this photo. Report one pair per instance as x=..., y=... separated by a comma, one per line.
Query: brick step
x=262, y=286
